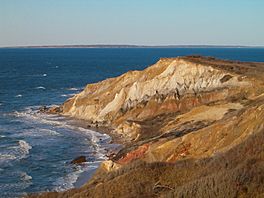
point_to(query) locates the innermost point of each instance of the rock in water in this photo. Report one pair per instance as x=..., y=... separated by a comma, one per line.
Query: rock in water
x=54, y=110
x=79, y=160
x=43, y=109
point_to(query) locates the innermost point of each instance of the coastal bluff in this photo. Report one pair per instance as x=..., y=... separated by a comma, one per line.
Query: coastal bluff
x=191, y=126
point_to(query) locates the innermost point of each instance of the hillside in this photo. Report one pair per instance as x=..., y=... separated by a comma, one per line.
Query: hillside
x=191, y=127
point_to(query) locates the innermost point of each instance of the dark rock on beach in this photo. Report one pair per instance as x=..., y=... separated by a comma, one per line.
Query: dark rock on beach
x=79, y=160
x=51, y=110
x=43, y=109
x=55, y=110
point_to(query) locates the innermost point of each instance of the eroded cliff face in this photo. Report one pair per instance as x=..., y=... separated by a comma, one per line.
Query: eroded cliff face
x=169, y=79
x=172, y=85
x=186, y=122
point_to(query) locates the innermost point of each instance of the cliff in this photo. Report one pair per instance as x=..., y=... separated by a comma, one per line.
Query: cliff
x=191, y=126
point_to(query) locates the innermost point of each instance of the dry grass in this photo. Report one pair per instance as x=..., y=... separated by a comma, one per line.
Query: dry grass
x=238, y=172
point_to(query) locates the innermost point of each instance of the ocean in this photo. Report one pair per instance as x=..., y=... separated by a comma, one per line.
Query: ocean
x=35, y=148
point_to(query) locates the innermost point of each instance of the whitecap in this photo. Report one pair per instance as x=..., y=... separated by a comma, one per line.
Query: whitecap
x=56, y=66
x=31, y=115
x=73, y=89
x=44, y=75
x=18, y=96
x=24, y=147
x=50, y=132
x=25, y=177
x=40, y=87
x=67, y=95
x=97, y=140
x=37, y=133
x=7, y=157
x=67, y=182
x=93, y=164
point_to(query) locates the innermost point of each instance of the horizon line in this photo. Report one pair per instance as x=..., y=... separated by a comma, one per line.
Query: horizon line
x=132, y=46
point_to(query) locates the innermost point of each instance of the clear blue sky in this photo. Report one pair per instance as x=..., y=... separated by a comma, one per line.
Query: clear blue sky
x=150, y=22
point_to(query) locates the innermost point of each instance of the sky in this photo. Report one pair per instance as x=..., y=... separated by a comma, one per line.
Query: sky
x=142, y=22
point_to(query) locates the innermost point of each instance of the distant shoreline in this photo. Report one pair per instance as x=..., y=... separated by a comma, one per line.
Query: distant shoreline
x=133, y=46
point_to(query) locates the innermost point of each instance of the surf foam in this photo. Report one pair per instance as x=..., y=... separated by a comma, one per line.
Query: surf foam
x=40, y=87
x=24, y=148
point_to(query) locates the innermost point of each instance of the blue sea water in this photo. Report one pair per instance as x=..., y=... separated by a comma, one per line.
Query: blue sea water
x=35, y=149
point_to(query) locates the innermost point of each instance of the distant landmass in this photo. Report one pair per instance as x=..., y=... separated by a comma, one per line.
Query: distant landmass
x=135, y=46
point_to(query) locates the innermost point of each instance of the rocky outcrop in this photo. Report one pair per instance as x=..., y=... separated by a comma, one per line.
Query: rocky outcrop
x=191, y=127
x=79, y=160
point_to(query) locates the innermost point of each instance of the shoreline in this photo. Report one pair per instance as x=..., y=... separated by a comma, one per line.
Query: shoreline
x=86, y=124
x=84, y=177
x=113, y=147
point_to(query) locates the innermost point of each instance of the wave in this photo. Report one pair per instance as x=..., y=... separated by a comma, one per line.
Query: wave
x=8, y=153
x=25, y=177
x=24, y=148
x=73, y=89
x=35, y=75
x=19, y=96
x=40, y=132
x=4, y=157
x=50, y=132
x=54, y=125
x=67, y=95
x=67, y=182
x=18, y=151
x=98, y=141
x=31, y=114
x=40, y=87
